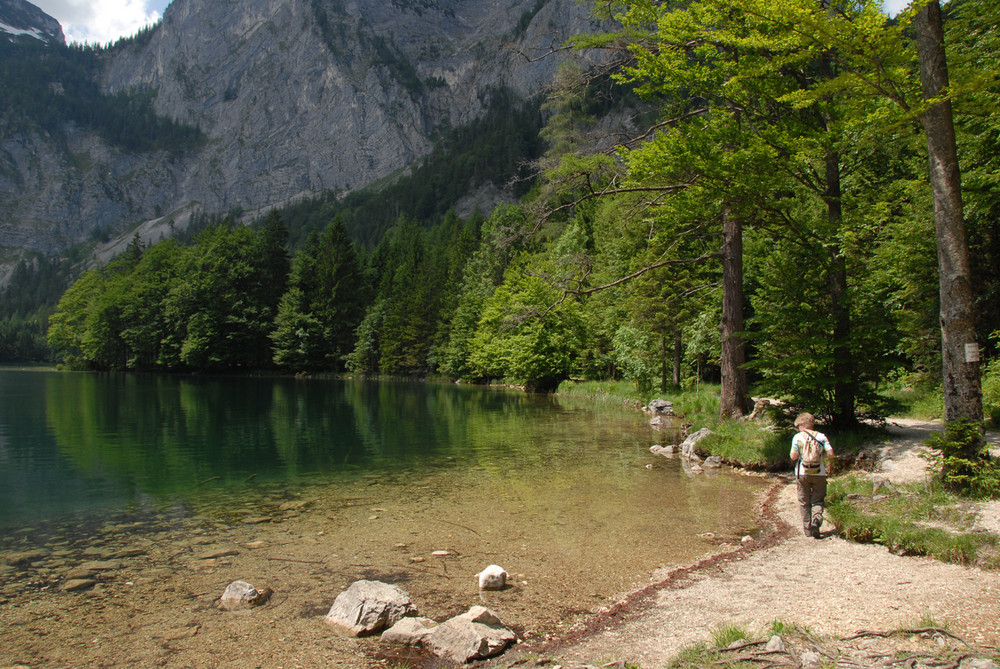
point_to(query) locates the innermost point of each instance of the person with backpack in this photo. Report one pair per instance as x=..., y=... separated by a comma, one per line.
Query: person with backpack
x=809, y=448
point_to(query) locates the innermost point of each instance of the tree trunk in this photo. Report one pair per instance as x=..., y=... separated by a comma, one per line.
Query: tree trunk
x=963, y=398
x=677, y=356
x=663, y=361
x=734, y=400
x=844, y=389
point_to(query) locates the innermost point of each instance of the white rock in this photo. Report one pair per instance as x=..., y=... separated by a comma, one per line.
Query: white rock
x=239, y=595
x=775, y=645
x=492, y=578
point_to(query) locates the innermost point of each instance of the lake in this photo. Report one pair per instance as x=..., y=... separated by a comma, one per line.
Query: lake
x=313, y=483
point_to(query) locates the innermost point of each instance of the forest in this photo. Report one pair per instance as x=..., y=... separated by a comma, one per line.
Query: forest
x=771, y=218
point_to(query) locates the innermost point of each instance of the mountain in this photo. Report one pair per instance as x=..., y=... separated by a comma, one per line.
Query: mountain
x=20, y=19
x=280, y=99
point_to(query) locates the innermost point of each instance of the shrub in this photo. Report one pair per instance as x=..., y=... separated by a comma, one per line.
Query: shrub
x=962, y=456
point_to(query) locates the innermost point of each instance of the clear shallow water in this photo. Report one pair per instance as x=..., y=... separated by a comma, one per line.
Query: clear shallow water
x=311, y=484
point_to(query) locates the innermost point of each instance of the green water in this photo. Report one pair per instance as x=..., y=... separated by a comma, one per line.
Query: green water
x=308, y=485
x=91, y=446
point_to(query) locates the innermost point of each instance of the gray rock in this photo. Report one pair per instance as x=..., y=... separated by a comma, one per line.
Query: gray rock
x=474, y=635
x=241, y=595
x=367, y=607
x=775, y=645
x=78, y=584
x=712, y=462
x=660, y=407
x=689, y=447
x=811, y=660
x=410, y=631
x=977, y=663
x=882, y=485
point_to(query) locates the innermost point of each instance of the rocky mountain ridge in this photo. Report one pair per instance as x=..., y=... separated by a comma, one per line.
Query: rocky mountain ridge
x=294, y=97
x=23, y=19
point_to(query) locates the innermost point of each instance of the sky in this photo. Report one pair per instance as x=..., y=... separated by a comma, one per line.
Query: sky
x=102, y=21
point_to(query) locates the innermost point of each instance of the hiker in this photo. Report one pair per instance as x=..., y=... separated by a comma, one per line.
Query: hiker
x=808, y=450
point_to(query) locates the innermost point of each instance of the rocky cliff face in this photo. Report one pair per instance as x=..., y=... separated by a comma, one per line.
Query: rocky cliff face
x=23, y=19
x=295, y=97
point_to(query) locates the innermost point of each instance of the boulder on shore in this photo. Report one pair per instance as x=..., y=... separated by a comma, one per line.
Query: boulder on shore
x=410, y=631
x=689, y=447
x=474, y=635
x=367, y=607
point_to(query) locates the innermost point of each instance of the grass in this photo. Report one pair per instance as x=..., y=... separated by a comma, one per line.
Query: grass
x=744, y=443
x=918, y=519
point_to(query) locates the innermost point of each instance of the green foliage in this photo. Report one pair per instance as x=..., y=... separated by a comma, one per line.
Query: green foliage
x=26, y=302
x=725, y=635
x=208, y=307
x=909, y=523
x=962, y=457
x=991, y=390
x=48, y=85
x=317, y=317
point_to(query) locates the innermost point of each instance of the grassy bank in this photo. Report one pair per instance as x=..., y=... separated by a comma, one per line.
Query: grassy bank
x=760, y=445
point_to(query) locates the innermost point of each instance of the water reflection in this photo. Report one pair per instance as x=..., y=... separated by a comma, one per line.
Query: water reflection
x=77, y=443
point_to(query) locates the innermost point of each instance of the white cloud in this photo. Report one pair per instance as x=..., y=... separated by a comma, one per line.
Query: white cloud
x=102, y=21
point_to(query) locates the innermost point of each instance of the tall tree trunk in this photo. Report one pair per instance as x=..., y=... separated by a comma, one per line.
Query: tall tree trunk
x=677, y=356
x=734, y=400
x=844, y=388
x=963, y=399
x=663, y=361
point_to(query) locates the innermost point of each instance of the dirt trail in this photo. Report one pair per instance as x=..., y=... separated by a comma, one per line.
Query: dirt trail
x=831, y=586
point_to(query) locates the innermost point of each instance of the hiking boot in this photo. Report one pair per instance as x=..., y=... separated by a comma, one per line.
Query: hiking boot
x=814, y=530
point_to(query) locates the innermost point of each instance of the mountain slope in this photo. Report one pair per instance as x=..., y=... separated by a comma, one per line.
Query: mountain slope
x=293, y=97
x=22, y=19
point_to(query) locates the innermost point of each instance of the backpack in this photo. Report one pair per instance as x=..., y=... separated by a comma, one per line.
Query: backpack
x=811, y=454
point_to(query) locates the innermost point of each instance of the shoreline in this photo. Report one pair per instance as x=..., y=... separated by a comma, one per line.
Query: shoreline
x=850, y=607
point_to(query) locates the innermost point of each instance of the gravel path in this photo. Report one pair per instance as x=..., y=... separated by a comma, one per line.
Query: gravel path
x=831, y=586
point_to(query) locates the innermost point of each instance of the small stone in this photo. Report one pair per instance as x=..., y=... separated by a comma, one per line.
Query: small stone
x=78, y=584
x=181, y=633
x=441, y=553
x=747, y=539
x=102, y=565
x=417, y=558
x=775, y=645
x=80, y=573
x=242, y=595
x=811, y=660
x=294, y=505
x=217, y=553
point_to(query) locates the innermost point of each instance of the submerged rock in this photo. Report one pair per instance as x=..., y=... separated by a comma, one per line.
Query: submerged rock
x=242, y=595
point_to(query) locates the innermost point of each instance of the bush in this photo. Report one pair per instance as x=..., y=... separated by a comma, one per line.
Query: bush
x=962, y=456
